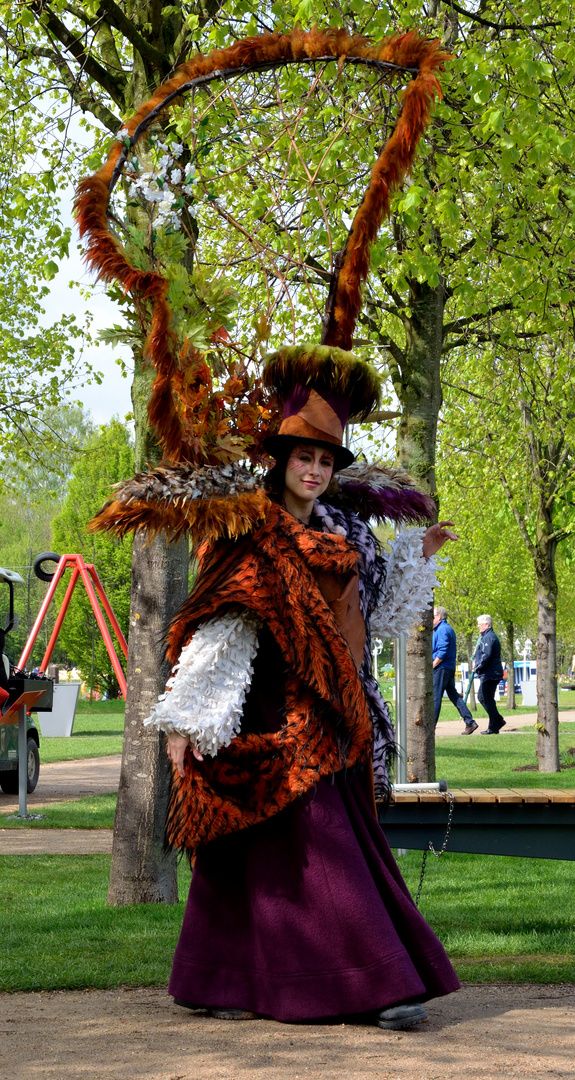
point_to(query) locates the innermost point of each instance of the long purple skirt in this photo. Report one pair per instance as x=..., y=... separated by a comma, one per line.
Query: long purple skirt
x=307, y=916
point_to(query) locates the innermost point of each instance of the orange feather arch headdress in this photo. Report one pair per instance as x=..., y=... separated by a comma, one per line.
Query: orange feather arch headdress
x=410, y=52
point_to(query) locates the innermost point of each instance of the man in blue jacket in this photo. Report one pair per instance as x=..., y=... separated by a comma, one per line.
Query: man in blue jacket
x=490, y=670
x=444, y=661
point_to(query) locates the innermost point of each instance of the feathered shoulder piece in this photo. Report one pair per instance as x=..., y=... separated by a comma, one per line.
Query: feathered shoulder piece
x=209, y=503
x=380, y=493
x=212, y=503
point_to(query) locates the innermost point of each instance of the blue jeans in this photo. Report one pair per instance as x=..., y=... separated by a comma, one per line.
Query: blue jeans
x=444, y=680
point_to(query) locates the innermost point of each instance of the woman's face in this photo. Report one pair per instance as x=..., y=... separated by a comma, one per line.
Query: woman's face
x=308, y=471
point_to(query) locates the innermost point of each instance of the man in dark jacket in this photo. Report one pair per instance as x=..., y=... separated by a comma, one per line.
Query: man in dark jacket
x=490, y=670
x=444, y=661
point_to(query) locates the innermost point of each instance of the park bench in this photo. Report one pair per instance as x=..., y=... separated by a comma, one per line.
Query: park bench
x=534, y=822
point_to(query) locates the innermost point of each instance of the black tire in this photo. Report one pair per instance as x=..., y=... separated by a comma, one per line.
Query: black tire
x=46, y=556
x=9, y=779
x=33, y=764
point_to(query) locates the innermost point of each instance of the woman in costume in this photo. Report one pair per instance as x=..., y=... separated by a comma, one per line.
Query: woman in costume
x=279, y=737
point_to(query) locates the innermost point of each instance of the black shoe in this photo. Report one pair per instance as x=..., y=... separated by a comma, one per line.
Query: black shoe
x=495, y=731
x=470, y=728
x=232, y=1014
x=400, y=1017
x=189, y=1005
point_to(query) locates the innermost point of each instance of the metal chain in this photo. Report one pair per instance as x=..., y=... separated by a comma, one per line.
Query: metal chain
x=447, y=795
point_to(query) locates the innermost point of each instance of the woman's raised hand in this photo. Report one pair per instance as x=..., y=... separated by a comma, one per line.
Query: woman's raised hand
x=436, y=536
x=176, y=747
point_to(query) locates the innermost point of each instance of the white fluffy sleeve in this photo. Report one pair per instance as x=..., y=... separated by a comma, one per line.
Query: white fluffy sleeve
x=407, y=591
x=207, y=690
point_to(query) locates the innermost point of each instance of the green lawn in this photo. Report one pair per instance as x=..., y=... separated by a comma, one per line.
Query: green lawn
x=501, y=919
x=101, y=708
x=57, y=931
x=479, y=761
x=98, y=731
x=93, y=812
x=449, y=712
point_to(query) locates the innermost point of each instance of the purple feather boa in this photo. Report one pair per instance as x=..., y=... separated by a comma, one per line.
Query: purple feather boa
x=385, y=503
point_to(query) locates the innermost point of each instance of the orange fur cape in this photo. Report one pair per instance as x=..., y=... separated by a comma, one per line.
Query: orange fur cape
x=327, y=724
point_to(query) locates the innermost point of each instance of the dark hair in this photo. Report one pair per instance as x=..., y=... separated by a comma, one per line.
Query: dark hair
x=275, y=478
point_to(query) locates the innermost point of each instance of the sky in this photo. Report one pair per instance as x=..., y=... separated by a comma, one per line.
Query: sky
x=112, y=397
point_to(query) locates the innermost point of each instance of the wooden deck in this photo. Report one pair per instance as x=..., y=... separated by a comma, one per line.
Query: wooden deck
x=533, y=822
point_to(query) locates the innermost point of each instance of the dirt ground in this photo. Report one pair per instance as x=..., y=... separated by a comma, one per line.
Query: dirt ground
x=55, y=841
x=481, y=1033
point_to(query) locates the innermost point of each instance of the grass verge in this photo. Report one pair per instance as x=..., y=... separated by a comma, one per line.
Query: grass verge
x=96, y=734
x=58, y=933
x=104, y=708
x=490, y=762
x=92, y=812
x=501, y=919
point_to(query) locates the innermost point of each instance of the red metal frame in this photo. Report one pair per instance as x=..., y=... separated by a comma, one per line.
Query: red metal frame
x=87, y=572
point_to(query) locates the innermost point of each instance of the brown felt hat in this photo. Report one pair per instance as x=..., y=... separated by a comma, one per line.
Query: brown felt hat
x=320, y=387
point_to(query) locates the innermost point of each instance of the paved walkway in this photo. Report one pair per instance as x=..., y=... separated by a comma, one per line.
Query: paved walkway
x=35, y=841
x=450, y=728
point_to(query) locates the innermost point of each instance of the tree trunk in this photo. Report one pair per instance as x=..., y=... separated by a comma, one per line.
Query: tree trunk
x=420, y=397
x=471, y=701
x=510, y=661
x=547, y=707
x=140, y=871
x=419, y=702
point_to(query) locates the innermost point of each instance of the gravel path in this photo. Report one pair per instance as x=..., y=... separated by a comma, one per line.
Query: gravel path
x=449, y=728
x=24, y=841
x=486, y=1032
x=69, y=780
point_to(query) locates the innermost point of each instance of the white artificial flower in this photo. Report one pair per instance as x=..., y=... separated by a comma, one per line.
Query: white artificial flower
x=152, y=193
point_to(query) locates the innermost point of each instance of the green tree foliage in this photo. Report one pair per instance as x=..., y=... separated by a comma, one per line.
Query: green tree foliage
x=107, y=458
x=479, y=250
x=565, y=611
x=39, y=365
x=32, y=491
x=489, y=570
x=515, y=431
